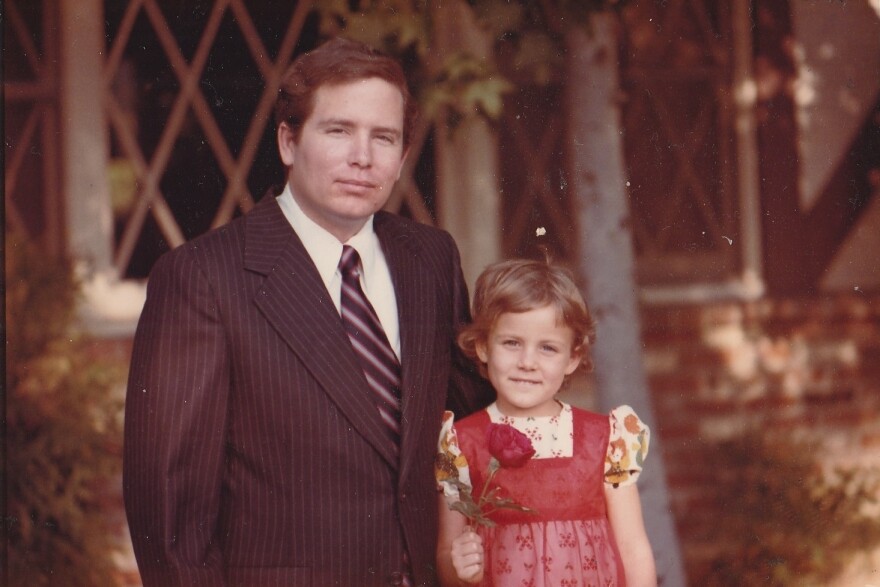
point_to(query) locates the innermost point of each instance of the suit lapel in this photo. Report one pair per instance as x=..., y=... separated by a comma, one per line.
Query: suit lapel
x=309, y=322
x=416, y=310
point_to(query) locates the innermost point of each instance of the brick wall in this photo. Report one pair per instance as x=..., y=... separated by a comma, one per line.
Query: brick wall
x=806, y=368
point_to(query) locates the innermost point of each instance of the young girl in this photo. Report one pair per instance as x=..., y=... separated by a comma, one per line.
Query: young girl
x=570, y=514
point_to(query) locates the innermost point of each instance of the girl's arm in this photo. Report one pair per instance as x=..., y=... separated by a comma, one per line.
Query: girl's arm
x=459, y=553
x=625, y=515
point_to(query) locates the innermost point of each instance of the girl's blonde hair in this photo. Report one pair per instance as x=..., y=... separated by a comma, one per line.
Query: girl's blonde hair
x=521, y=285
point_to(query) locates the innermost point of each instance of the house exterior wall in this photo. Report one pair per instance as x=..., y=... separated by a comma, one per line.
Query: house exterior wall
x=803, y=233
x=838, y=81
x=798, y=370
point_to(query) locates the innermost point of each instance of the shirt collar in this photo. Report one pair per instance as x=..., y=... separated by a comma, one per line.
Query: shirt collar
x=324, y=248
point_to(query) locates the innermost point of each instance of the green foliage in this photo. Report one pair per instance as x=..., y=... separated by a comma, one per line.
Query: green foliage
x=528, y=38
x=393, y=26
x=63, y=432
x=781, y=519
x=531, y=35
x=465, y=86
x=500, y=17
x=551, y=16
x=458, y=86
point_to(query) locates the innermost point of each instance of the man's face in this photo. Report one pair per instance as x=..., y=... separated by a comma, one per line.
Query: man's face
x=349, y=154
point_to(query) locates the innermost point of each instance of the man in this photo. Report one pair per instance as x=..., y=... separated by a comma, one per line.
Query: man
x=267, y=442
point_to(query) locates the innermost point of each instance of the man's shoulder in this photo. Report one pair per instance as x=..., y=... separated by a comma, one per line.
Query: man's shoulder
x=394, y=228
x=384, y=220
x=220, y=237
x=217, y=244
x=231, y=234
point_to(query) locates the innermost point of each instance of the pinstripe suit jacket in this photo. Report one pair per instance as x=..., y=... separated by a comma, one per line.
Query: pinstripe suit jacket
x=254, y=454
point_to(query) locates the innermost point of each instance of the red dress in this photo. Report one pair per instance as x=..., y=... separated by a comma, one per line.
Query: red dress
x=568, y=540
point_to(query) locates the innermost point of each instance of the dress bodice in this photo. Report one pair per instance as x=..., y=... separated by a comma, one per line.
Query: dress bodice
x=567, y=539
x=557, y=488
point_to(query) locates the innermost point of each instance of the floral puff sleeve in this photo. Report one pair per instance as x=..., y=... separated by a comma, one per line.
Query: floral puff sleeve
x=450, y=465
x=627, y=447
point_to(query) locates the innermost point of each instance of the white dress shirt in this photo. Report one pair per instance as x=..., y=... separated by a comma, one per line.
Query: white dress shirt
x=326, y=250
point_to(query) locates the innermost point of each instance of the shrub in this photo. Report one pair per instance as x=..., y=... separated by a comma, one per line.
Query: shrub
x=783, y=519
x=63, y=432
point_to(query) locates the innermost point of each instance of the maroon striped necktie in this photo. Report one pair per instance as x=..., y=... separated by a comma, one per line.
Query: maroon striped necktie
x=370, y=343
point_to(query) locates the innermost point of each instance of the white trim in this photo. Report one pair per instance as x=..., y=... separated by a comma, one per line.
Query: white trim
x=110, y=307
x=747, y=287
x=745, y=128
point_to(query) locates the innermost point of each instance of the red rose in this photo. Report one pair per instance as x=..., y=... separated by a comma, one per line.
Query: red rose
x=511, y=447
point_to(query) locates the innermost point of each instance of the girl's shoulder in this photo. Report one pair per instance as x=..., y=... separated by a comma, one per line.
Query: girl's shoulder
x=585, y=415
x=476, y=421
x=478, y=416
x=628, y=445
x=625, y=422
x=620, y=417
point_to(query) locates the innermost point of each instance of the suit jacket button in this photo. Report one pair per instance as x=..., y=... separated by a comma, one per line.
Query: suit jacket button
x=396, y=579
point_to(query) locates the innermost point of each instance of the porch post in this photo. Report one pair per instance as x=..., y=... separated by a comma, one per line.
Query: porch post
x=468, y=198
x=83, y=137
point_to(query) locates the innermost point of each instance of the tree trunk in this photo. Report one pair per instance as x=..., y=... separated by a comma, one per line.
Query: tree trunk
x=606, y=260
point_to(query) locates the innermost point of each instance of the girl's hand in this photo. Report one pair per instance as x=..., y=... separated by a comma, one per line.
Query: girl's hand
x=467, y=556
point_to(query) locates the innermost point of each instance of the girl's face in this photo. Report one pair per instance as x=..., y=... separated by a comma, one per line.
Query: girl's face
x=528, y=355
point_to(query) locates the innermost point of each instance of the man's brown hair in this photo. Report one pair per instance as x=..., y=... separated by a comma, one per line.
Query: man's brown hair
x=338, y=61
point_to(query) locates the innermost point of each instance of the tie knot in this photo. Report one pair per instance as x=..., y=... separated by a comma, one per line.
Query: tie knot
x=348, y=263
